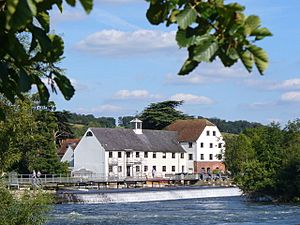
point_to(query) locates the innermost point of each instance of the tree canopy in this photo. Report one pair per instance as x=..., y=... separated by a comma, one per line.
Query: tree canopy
x=159, y=115
x=266, y=160
x=208, y=29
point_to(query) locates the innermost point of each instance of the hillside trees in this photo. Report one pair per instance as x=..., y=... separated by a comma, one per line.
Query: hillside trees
x=208, y=29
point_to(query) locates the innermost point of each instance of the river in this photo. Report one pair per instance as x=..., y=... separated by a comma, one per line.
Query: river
x=225, y=210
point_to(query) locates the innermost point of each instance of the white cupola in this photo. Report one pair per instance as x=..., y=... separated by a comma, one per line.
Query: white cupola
x=137, y=126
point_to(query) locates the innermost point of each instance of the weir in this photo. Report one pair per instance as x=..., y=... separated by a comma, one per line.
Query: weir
x=145, y=195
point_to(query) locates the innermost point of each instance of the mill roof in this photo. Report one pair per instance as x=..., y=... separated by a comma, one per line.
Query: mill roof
x=117, y=139
x=189, y=130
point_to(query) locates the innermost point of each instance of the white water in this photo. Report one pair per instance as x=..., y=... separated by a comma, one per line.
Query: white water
x=160, y=195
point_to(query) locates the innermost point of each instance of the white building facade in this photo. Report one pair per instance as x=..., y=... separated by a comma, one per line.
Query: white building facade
x=203, y=143
x=117, y=152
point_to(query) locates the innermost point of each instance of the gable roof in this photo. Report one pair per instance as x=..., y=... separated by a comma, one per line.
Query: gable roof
x=118, y=139
x=73, y=142
x=189, y=130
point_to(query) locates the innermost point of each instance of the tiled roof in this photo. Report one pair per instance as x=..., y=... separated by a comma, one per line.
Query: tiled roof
x=189, y=130
x=66, y=143
x=116, y=139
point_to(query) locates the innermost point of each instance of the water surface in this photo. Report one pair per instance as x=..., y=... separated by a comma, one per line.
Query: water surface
x=226, y=210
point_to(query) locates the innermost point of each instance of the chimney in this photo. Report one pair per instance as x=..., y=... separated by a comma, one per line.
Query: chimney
x=137, y=126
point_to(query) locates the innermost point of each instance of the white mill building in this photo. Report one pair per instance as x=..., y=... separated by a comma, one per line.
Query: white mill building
x=129, y=152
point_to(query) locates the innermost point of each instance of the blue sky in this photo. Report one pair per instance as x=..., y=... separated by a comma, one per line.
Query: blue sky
x=119, y=64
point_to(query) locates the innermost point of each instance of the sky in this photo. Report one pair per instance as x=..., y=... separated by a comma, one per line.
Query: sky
x=119, y=63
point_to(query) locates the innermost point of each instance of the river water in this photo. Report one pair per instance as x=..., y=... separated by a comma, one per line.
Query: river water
x=225, y=210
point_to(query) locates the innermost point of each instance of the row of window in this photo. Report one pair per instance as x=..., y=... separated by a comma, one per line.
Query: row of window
x=202, y=145
x=138, y=155
x=208, y=133
x=138, y=168
x=211, y=157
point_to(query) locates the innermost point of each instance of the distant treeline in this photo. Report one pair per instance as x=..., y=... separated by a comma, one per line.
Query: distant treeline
x=81, y=122
x=233, y=127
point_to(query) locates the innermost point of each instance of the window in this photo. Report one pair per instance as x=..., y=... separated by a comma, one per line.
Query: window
x=214, y=133
x=110, y=154
x=137, y=169
x=127, y=154
x=119, y=154
x=164, y=155
x=210, y=145
x=145, y=154
x=173, y=168
x=173, y=155
x=145, y=168
x=202, y=156
x=220, y=145
x=89, y=134
x=110, y=169
x=190, y=156
x=154, y=168
x=154, y=155
x=190, y=144
x=182, y=155
x=182, y=169
x=164, y=168
x=207, y=133
x=137, y=154
x=119, y=168
x=210, y=156
x=201, y=144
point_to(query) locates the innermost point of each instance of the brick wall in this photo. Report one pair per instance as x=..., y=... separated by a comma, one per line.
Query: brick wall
x=212, y=165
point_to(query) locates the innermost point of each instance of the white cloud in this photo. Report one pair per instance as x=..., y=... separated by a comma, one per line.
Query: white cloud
x=134, y=94
x=209, y=73
x=293, y=96
x=290, y=84
x=192, y=99
x=119, y=43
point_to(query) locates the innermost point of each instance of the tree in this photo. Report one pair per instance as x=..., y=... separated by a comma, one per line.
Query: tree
x=124, y=121
x=266, y=161
x=159, y=115
x=208, y=29
x=28, y=137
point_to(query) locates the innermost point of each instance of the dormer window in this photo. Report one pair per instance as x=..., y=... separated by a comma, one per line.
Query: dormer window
x=89, y=134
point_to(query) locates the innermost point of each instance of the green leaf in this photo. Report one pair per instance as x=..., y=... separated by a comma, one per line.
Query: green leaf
x=251, y=23
x=71, y=2
x=42, y=38
x=44, y=20
x=87, y=5
x=157, y=13
x=20, y=14
x=57, y=50
x=64, y=85
x=204, y=51
x=42, y=89
x=247, y=60
x=260, y=58
x=185, y=38
x=261, y=33
x=25, y=81
x=186, y=17
x=188, y=66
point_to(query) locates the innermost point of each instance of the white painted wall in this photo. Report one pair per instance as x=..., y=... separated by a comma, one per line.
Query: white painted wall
x=193, y=151
x=142, y=162
x=68, y=156
x=207, y=140
x=90, y=155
